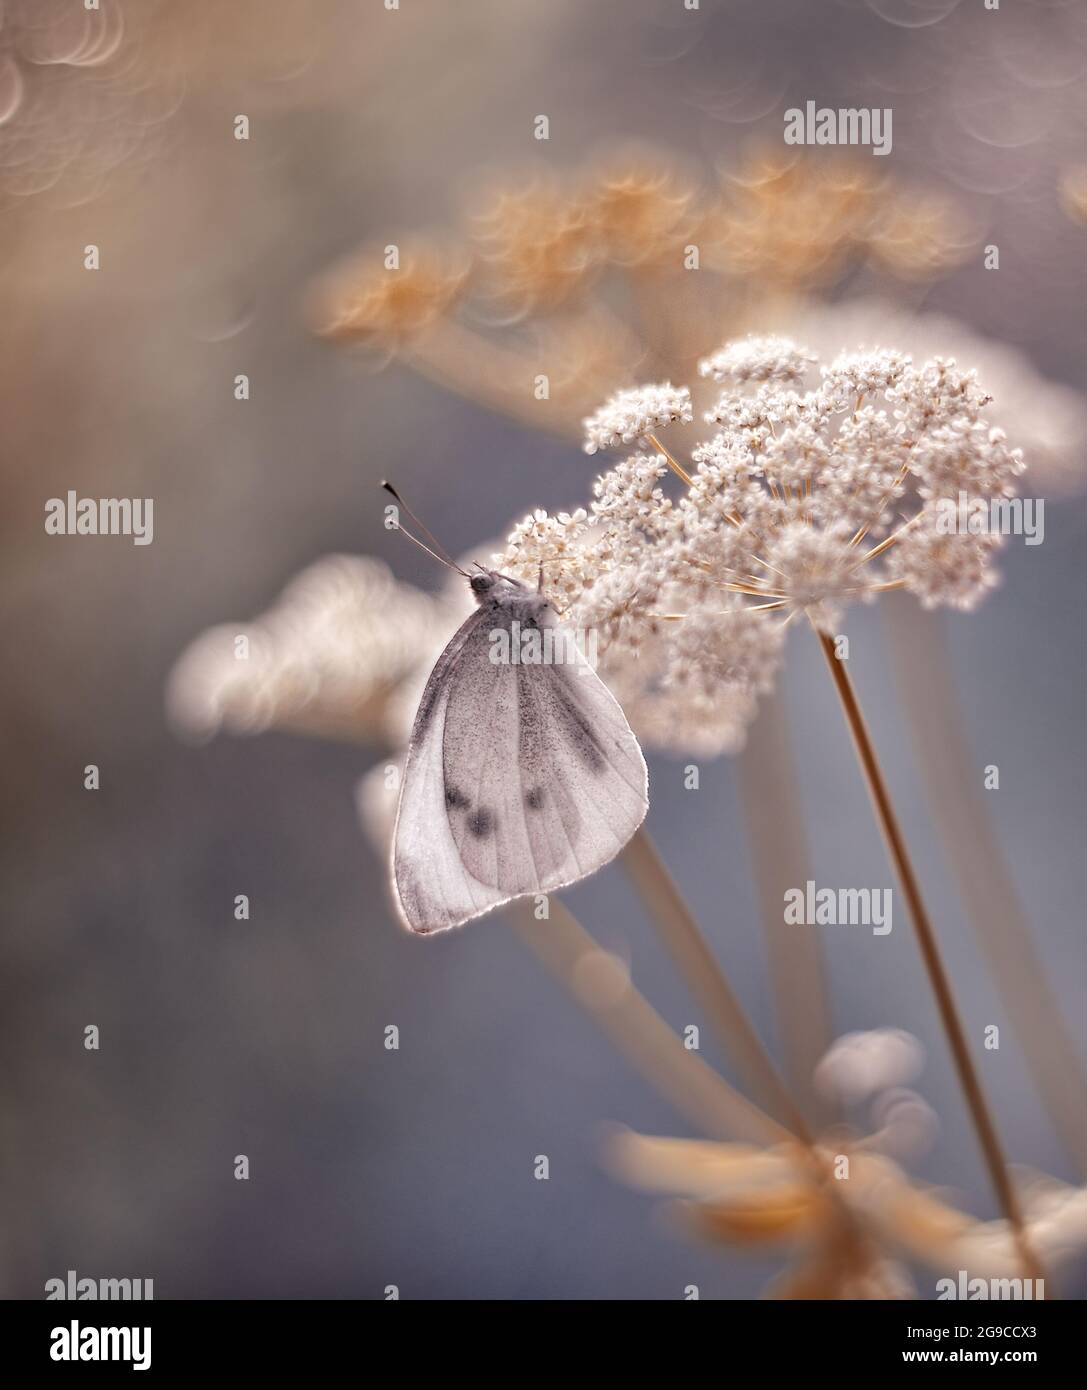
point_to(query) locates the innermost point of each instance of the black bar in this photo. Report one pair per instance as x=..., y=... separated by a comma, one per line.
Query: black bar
x=189, y=1339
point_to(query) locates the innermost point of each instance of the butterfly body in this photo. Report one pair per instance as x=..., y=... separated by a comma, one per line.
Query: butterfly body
x=522, y=775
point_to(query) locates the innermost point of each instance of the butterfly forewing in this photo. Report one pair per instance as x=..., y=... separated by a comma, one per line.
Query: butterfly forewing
x=432, y=887
x=520, y=778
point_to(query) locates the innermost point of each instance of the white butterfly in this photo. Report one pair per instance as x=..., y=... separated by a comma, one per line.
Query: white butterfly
x=520, y=778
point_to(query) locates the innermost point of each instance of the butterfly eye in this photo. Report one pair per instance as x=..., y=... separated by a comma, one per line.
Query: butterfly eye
x=480, y=583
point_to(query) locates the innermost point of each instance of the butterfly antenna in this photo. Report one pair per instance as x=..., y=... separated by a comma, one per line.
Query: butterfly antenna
x=422, y=527
x=438, y=552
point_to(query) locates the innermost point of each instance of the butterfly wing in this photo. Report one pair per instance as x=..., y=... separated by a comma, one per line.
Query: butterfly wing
x=519, y=779
x=431, y=886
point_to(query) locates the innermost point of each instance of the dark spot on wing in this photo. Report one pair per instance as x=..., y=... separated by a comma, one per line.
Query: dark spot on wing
x=481, y=823
x=455, y=800
x=534, y=798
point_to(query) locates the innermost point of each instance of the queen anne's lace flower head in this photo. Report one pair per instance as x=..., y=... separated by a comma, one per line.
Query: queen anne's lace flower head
x=1049, y=419
x=538, y=248
x=820, y=486
x=758, y=359
x=366, y=302
x=631, y=416
x=329, y=658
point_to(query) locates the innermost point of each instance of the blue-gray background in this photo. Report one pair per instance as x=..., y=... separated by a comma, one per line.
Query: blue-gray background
x=414, y=1167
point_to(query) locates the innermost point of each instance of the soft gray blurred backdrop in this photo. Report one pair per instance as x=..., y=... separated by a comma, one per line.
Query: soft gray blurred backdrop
x=265, y=1037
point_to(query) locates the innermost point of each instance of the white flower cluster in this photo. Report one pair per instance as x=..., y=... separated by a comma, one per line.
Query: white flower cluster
x=753, y=360
x=1050, y=419
x=803, y=501
x=327, y=659
x=630, y=416
x=687, y=669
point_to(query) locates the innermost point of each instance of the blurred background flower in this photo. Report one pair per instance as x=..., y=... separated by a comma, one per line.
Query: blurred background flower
x=847, y=1224
x=328, y=659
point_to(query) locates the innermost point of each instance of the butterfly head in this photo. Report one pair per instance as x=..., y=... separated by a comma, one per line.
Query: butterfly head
x=484, y=583
x=491, y=589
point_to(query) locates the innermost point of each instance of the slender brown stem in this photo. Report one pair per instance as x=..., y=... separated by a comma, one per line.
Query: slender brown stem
x=930, y=955
x=681, y=934
x=600, y=984
x=892, y=539
x=676, y=468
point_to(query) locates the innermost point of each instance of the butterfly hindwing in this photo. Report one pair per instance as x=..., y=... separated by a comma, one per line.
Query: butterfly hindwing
x=584, y=786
